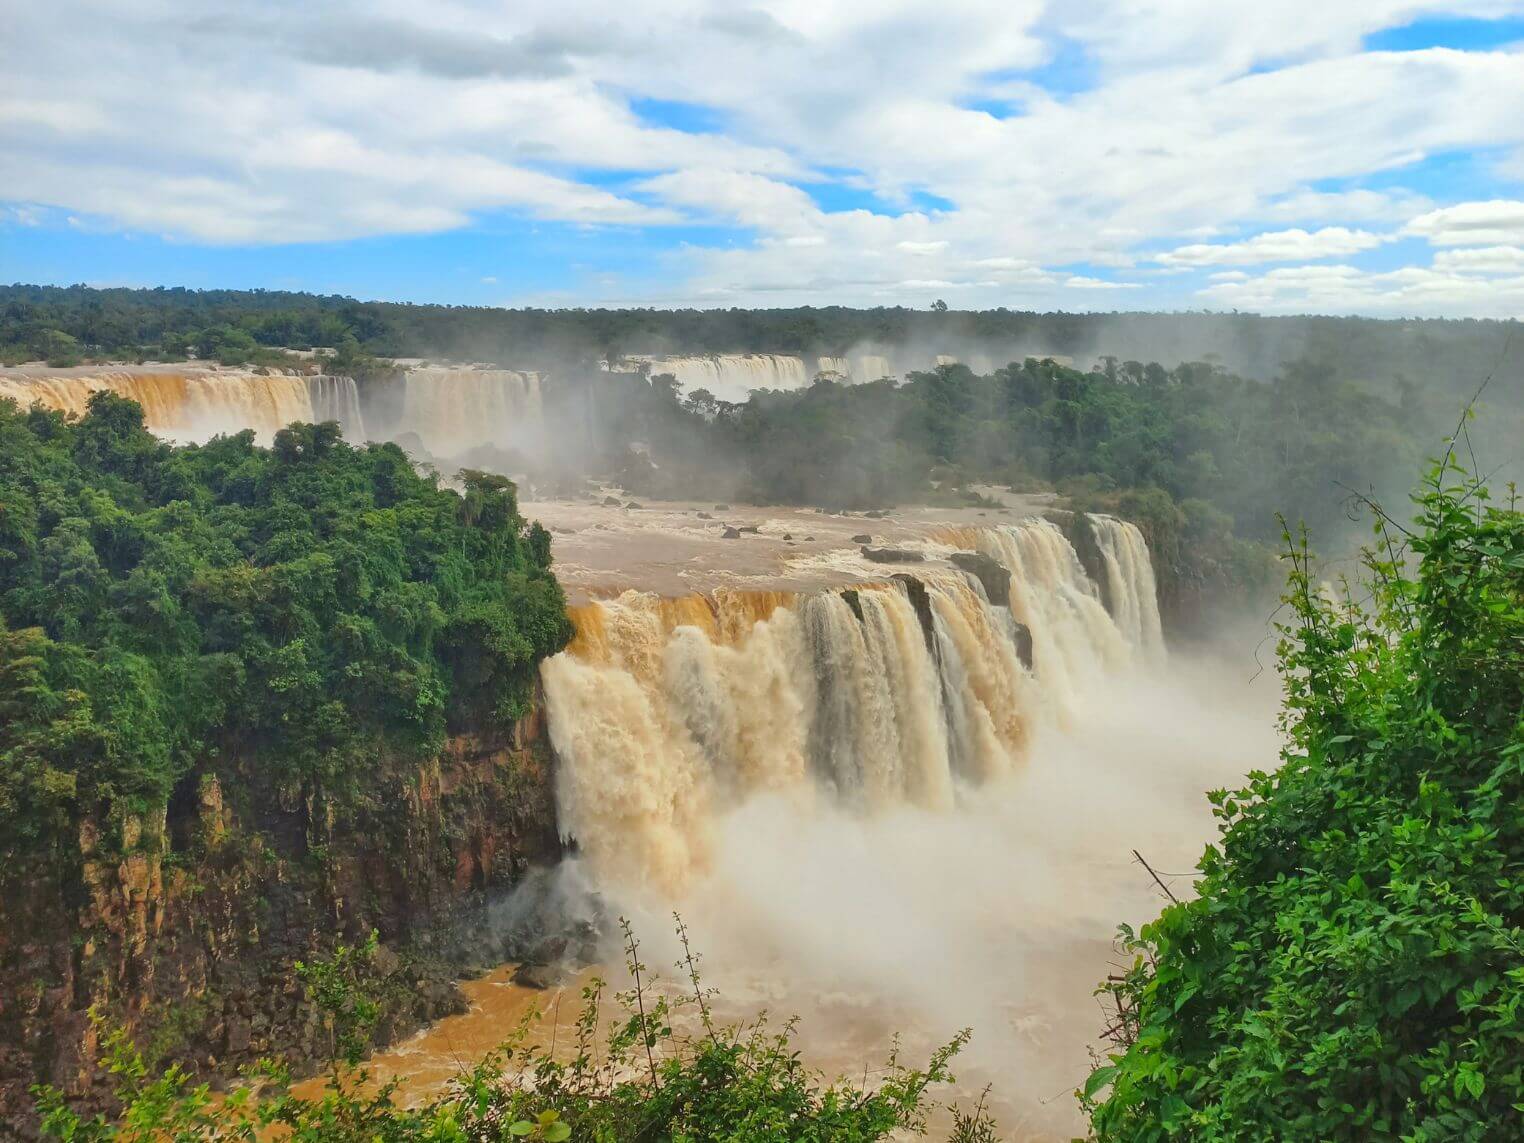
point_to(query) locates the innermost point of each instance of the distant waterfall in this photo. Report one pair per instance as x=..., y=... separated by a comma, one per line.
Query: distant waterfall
x=838, y=367
x=730, y=376
x=337, y=399
x=188, y=404
x=453, y=410
x=665, y=711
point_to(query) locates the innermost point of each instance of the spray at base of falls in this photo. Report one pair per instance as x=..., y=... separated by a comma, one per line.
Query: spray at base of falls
x=909, y=692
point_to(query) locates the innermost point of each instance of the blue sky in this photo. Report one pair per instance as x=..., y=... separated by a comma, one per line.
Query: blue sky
x=1361, y=157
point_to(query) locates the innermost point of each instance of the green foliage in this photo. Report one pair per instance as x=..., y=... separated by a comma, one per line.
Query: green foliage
x=337, y=985
x=1353, y=966
x=634, y=1077
x=313, y=605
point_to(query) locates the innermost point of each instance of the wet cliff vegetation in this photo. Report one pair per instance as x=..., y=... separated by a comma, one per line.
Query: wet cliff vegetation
x=1352, y=966
x=250, y=699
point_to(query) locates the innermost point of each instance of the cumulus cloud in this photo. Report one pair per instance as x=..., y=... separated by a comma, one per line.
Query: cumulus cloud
x=1411, y=291
x=1481, y=260
x=1277, y=246
x=1472, y=224
x=1186, y=120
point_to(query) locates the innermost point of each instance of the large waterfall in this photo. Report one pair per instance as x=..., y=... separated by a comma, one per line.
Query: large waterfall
x=195, y=404
x=912, y=690
x=452, y=410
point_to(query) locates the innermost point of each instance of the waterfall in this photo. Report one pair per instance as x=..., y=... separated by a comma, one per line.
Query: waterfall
x=872, y=367
x=837, y=367
x=1130, y=581
x=186, y=404
x=337, y=399
x=729, y=376
x=453, y=410
x=666, y=712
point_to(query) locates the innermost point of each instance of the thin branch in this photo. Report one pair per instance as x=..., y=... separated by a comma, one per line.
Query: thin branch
x=1155, y=876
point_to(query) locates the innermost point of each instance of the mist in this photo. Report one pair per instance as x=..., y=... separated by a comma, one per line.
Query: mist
x=998, y=914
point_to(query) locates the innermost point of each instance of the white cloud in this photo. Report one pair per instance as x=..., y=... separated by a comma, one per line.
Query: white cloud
x=1363, y=206
x=1481, y=260
x=1498, y=222
x=1411, y=291
x=924, y=248
x=217, y=121
x=1277, y=246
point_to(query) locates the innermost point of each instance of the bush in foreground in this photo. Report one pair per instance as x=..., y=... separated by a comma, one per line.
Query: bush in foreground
x=633, y=1078
x=1353, y=966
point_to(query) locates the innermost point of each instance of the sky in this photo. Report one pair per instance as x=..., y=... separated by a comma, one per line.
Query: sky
x=1291, y=156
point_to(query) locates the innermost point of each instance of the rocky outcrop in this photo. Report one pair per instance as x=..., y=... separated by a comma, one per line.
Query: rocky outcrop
x=892, y=555
x=990, y=572
x=183, y=925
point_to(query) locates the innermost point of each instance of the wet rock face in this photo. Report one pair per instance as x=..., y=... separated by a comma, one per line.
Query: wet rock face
x=991, y=574
x=184, y=930
x=1081, y=533
x=1023, y=635
x=921, y=602
x=731, y=534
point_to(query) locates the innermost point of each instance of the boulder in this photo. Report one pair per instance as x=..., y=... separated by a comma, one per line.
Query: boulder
x=892, y=555
x=611, y=502
x=991, y=574
x=538, y=976
x=632, y=504
x=705, y=516
x=863, y=538
x=731, y=534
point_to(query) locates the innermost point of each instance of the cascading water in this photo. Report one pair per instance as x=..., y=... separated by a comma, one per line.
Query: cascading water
x=664, y=712
x=337, y=399
x=730, y=376
x=187, y=404
x=452, y=410
x=1130, y=579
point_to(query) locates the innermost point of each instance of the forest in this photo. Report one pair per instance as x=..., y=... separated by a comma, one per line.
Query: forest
x=314, y=605
x=80, y=322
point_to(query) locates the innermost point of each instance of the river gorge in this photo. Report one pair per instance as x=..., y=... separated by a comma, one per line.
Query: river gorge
x=890, y=767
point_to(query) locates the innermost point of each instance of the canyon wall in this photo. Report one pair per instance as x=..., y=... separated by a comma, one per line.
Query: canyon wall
x=182, y=924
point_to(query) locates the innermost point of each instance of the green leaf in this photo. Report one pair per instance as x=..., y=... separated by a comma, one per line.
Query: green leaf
x=1099, y=1079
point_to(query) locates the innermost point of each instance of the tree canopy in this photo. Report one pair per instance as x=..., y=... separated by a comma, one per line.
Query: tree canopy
x=312, y=605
